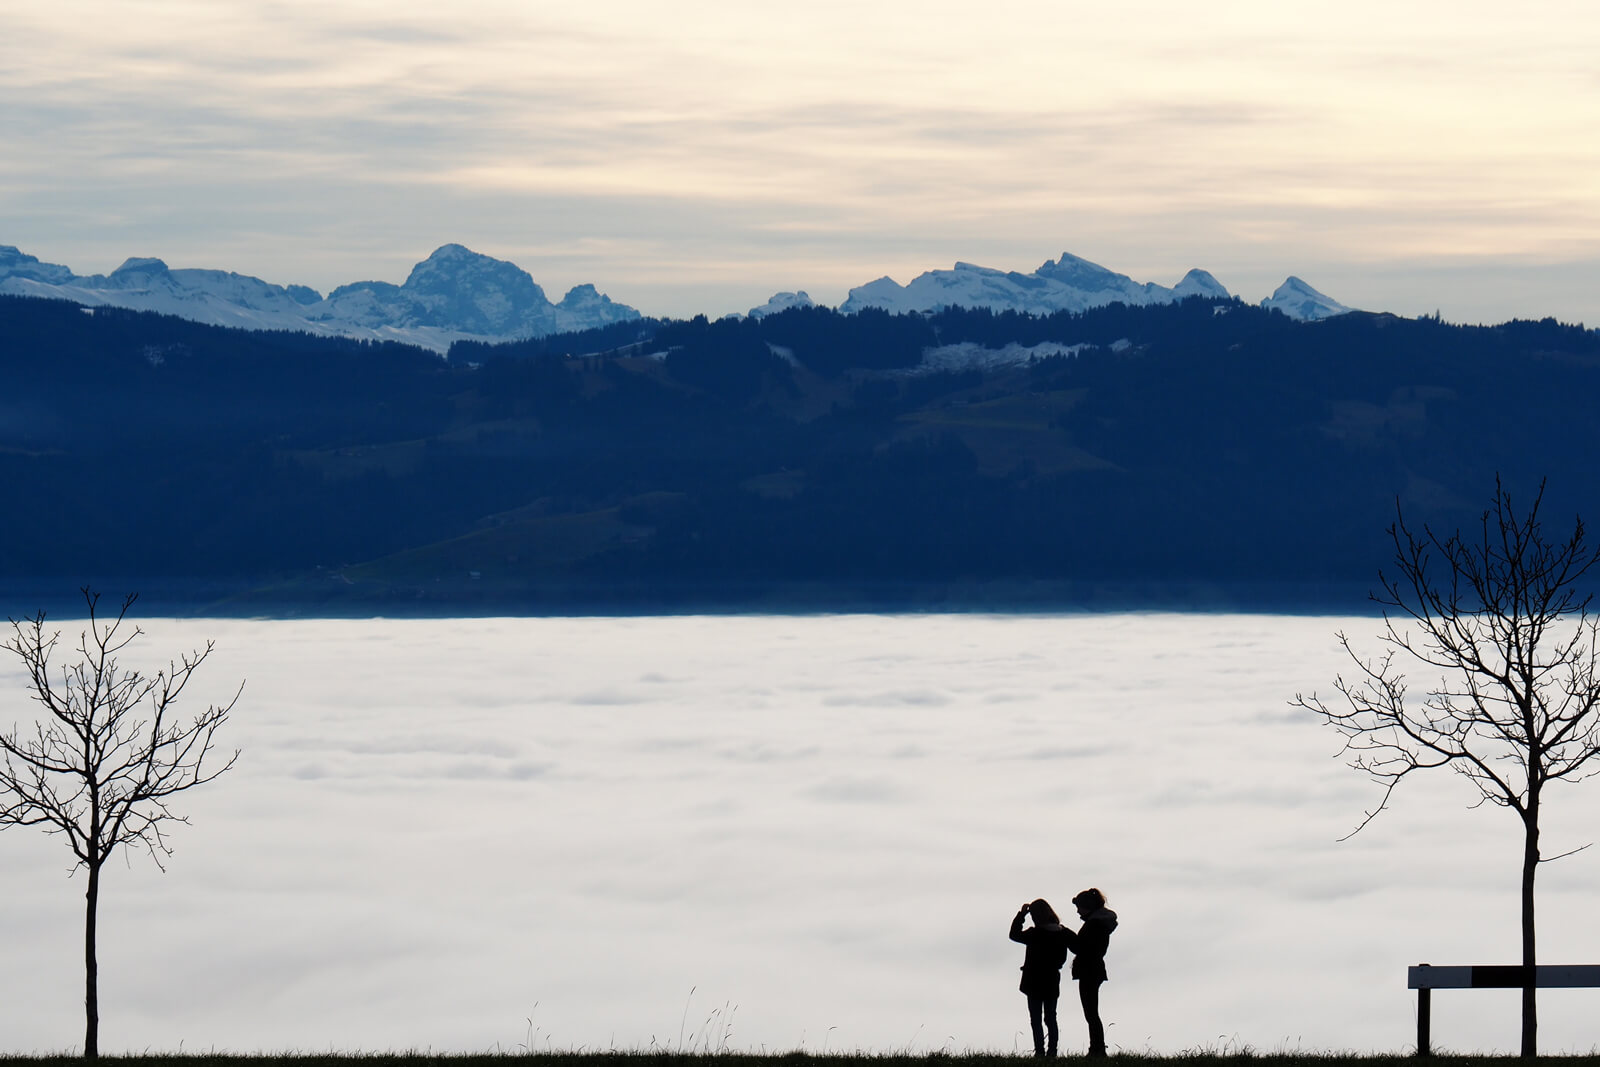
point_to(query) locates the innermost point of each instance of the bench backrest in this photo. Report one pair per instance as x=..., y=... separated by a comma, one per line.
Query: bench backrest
x=1556, y=976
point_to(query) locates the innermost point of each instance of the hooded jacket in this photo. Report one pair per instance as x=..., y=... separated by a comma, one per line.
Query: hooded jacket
x=1089, y=945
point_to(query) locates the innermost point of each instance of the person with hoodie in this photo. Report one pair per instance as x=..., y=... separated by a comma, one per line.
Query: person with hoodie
x=1089, y=946
x=1041, y=969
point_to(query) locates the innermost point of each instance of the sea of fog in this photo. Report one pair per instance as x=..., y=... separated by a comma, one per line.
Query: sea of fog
x=775, y=833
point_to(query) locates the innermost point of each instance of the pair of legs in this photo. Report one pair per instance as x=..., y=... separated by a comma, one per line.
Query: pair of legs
x=1089, y=996
x=1044, y=1007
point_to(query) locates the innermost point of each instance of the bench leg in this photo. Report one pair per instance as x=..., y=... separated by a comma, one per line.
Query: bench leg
x=1424, y=1010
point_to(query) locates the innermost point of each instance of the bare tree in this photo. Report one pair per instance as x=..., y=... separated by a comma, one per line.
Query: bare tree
x=1505, y=619
x=102, y=761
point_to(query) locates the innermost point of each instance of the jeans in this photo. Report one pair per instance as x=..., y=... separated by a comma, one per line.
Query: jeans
x=1045, y=1006
x=1089, y=995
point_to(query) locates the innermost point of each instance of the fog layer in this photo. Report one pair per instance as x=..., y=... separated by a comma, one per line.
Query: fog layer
x=776, y=833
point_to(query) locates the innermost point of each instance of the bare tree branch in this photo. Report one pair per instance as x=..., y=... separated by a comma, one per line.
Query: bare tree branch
x=106, y=754
x=1506, y=621
x=1564, y=855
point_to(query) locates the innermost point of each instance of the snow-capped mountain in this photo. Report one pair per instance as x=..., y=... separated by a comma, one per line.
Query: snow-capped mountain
x=457, y=289
x=783, y=302
x=453, y=294
x=1067, y=284
x=20, y=265
x=1070, y=283
x=1199, y=283
x=1298, y=300
x=459, y=294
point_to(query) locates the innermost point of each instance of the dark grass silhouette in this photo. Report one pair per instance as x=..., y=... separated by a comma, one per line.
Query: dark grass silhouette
x=1226, y=1056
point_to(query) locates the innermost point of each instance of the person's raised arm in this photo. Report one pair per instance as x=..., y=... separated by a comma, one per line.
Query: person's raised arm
x=1017, y=933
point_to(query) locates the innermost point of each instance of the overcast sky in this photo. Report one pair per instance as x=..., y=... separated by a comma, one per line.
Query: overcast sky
x=698, y=155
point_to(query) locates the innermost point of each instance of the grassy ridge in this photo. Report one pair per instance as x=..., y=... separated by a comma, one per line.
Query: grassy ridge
x=739, y=1059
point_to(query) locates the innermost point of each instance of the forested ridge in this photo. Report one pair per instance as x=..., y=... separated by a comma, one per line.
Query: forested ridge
x=1203, y=453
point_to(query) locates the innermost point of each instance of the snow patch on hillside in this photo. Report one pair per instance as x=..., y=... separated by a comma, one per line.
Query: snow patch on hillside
x=973, y=356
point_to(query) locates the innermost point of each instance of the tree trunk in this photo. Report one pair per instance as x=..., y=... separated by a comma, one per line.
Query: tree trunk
x=1530, y=864
x=91, y=969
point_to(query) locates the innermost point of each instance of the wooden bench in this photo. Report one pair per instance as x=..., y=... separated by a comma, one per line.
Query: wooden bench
x=1425, y=979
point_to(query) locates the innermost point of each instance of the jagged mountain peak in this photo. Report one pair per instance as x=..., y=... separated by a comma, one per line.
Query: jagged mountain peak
x=455, y=261
x=1299, y=300
x=141, y=265
x=1200, y=283
x=581, y=297
x=453, y=265
x=18, y=264
x=479, y=294
x=782, y=302
x=451, y=251
x=1077, y=271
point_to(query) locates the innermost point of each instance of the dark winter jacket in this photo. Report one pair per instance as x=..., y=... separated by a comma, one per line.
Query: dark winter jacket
x=1090, y=943
x=1047, y=951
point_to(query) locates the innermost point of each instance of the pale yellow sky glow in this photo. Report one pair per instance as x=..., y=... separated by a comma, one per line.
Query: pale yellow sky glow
x=699, y=156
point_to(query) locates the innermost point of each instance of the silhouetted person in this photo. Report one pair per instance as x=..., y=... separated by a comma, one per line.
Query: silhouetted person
x=1089, y=946
x=1041, y=969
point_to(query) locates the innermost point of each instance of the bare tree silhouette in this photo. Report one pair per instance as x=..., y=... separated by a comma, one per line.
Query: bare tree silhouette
x=1505, y=619
x=100, y=764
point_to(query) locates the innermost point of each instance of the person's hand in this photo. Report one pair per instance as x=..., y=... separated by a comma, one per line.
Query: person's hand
x=1024, y=909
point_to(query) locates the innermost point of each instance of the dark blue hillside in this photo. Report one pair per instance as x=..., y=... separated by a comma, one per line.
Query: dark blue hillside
x=1202, y=453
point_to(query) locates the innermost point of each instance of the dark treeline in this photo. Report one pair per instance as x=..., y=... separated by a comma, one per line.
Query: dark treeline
x=608, y=339
x=1202, y=451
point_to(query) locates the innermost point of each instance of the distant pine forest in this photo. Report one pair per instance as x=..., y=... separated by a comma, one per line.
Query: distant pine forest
x=1205, y=454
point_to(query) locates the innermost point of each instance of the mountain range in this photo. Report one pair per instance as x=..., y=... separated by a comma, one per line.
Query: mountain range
x=458, y=294
x=1070, y=283
x=454, y=294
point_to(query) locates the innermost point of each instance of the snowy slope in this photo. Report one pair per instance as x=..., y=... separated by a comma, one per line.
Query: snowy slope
x=782, y=302
x=1199, y=283
x=453, y=294
x=1298, y=300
